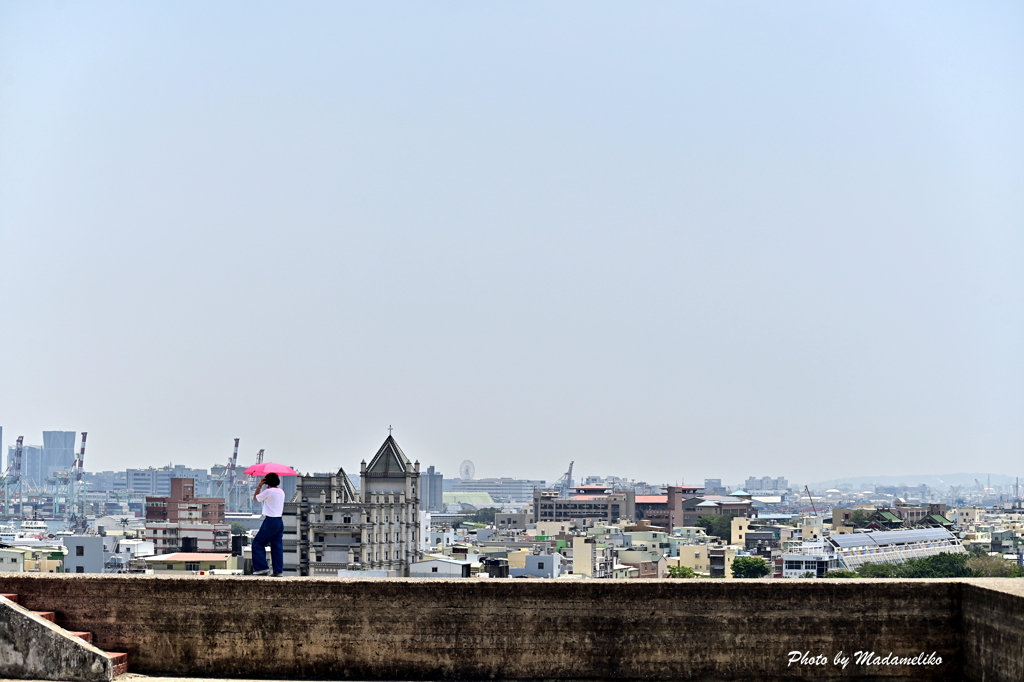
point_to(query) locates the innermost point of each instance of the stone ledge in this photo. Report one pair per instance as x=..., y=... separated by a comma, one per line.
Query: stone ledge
x=33, y=647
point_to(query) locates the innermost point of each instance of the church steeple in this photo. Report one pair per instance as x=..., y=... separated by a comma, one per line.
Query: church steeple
x=389, y=460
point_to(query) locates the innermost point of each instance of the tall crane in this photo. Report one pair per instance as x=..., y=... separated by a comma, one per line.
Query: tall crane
x=77, y=494
x=565, y=482
x=229, y=473
x=807, y=488
x=13, y=476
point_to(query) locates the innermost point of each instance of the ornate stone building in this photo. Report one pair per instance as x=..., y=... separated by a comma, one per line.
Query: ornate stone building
x=328, y=525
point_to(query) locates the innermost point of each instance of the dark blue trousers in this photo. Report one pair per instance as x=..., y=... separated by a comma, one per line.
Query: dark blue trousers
x=270, y=533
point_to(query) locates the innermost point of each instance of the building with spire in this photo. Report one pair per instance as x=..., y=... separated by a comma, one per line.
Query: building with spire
x=329, y=525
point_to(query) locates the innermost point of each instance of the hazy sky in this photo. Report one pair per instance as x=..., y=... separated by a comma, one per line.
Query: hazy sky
x=668, y=241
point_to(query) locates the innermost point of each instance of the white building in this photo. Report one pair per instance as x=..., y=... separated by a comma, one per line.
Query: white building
x=892, y=546
x=440, y=568
x=853, y=550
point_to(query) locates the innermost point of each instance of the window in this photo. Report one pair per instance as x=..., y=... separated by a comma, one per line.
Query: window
x=191, y=565
x=211, y=567
x=79, y=569
x=433, y=569
x=328, y=517
x=347, y=519
x=540, y=565
x=79, y=550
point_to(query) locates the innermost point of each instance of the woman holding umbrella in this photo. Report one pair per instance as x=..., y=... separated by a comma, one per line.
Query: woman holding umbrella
x=272, y=531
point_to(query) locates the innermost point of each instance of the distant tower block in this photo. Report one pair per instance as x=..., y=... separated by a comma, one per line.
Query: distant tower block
x=467, y=471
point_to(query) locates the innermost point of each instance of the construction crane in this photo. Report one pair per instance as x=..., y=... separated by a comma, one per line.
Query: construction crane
x=565, y=482
x=229, y=473
x=259, y=456
x=13, y=476
x=811, y=499
x=77, y=519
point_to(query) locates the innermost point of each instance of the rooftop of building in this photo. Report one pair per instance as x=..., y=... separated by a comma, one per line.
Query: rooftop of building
x=189, y=556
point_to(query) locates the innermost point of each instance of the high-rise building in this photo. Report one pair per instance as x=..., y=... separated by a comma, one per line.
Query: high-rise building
x=765, y=484
x=31, y=464
x=158, y=481
x=713, y=486
x=432, y=490
x=58, y=452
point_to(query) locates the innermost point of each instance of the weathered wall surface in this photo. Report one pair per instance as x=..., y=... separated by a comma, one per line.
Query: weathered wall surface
x=993, y=630
x=424, y=629
x=34, y=648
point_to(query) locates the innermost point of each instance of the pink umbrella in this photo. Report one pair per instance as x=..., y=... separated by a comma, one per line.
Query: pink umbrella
x=270, y=468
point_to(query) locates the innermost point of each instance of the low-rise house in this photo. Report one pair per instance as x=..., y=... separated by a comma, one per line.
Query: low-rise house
x=181, y=536
x=511, y=520
x=720, y=560
x=694, y=557
x=41, y=558
x=440, y=567
x=592, y=558
x=84, y=553
x=11, y=560
x=193, y=562
x=540, y=566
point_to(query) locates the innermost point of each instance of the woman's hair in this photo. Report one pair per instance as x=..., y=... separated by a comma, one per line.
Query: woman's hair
x=273, y=480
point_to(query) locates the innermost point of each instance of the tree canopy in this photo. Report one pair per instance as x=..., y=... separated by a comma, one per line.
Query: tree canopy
x=749, y=567
x=681, y=572
x=719, y=526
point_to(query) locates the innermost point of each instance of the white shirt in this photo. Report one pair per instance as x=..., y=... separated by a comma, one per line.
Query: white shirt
x=273, y=501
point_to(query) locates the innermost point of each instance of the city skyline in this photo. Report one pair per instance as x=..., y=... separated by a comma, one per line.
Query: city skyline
x=934, y=479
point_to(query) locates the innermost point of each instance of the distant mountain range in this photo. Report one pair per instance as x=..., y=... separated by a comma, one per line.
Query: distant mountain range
x=932, y=480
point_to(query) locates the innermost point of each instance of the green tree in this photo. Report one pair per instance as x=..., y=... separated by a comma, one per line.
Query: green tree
x=943, y=565
x=485, y=515
x=858, y=519
x=994, y=567
x=681, y=572
x=938, y=566
x=238, y=529
x=842, y=574
x=870, y=570
x=749, y=567
x=719, y=526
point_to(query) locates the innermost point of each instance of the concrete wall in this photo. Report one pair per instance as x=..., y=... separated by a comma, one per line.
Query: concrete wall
x=993, y=629
x=34, y=648
x=538, y=629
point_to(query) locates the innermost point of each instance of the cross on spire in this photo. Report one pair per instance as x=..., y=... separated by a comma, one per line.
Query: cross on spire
x=389, y=429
